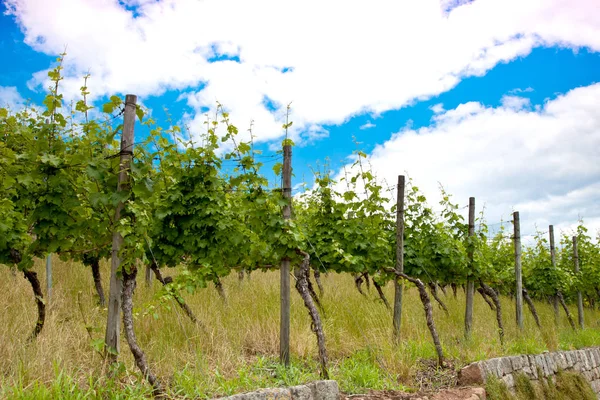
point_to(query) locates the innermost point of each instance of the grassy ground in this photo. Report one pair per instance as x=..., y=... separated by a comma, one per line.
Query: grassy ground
x=240, y=350
x=566, y=386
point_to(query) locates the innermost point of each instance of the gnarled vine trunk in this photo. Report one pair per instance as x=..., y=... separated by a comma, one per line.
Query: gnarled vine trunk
x=433, y=287
x=492, y=293
x=313, y=294
x=220, y=289
x=487, y=299
x=531, y=308
x=184, y=306
x=302, y=274
x=443, y=289
x=317, y=275
x=564, y=306
x=31, y=276
x=428, y=311
x=358, y=280
x=367, y=280
x=138, y=354
x=454, y=289
x=382, y=295
x=95, y=264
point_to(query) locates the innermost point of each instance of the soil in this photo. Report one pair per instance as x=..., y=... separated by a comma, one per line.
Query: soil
x=446, y=394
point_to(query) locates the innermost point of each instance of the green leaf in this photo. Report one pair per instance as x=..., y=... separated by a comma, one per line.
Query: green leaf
x=139, y=112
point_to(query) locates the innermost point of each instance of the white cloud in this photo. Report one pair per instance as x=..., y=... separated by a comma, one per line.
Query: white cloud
x=515, y=102
x=543, y=163
x=367, y=125
x=437, y=108
x=345, y=57
x=528, y=89
x=10, y=97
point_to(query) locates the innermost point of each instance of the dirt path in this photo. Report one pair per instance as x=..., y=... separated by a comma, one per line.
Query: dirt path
x=446, y=394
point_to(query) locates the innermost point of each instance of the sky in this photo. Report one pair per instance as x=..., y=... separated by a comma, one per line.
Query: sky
x=495, y=99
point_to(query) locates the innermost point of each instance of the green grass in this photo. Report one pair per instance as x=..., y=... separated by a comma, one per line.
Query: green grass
x=239, y=351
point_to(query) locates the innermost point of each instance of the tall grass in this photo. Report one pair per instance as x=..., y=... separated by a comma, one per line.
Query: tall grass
x=239, y=351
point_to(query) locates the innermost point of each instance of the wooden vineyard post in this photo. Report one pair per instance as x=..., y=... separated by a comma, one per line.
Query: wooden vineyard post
x=49, y=279
x=470, y=281
x=284, y=329
x=399, y=285
x=113, y=323
x=579, y=295
x=148, y=276
x=518, y=269
x=553, y=262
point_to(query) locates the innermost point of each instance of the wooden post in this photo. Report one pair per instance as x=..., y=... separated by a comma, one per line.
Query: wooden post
x=113, y=323
x=399, y=285
x=553, y=262
x=48, y=279
x=470, y=282
x=579, y=295
x=518, y=268
x=284, y=339
x=149, y=278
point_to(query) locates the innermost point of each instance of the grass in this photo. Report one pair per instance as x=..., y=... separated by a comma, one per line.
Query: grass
x=566, y=386
x=239, y=351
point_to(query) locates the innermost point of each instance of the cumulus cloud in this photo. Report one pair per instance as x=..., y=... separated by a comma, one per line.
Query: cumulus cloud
x=437, y=108
x=10, y=97
x=515, y=102
x=542, y=163
x=381, y=55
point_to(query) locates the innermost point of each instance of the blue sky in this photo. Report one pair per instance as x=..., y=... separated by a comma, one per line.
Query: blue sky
x=493, y=99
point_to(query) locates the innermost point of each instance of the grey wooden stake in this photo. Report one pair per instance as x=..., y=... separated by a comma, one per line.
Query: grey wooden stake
x=284, y=330
x=149, y=276
x=579, y=295
x=553, y=262
x=113, y=323
x=518, y=269
x=398, y=284
x=470, y=282
x=49, y=279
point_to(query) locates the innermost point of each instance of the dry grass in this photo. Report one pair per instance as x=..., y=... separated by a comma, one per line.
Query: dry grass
x=240, y=349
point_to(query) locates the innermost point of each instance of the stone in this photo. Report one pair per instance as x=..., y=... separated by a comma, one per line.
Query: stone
x=515, y=362
x=493, y=367
x=587, y=365
x=472, y=374
x=561, y=360
x=509, y=381
x=324, y=390
x=301, y=392
x=568, y=359
x=506, y=365
x=272, y=394
x=591, y=357
x=540, y=361
x=552, y=367
x=479, y=392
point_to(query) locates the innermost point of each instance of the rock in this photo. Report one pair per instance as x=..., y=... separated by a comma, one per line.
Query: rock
x=301, y=392
x=319, y=390
x=472, y=374
x=509, y=381
x=324, y=390
x=479, y=392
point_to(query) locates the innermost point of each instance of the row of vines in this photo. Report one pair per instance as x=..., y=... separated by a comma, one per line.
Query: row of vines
x=69, y=186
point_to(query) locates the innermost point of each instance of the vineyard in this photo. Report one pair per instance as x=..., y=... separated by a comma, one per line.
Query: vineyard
x=232, y=265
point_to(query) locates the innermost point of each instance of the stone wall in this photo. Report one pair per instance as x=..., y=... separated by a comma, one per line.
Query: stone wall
x=318, y=390
x=585, y=361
